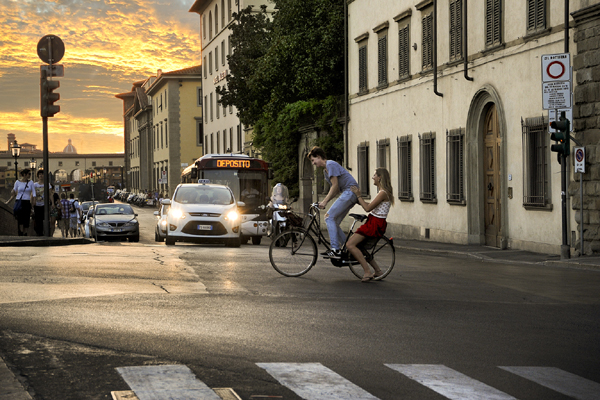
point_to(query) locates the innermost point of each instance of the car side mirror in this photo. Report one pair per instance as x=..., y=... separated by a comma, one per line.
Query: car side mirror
x=156, y=213
x=135, y=215
x=241, y=204
x=166, y=202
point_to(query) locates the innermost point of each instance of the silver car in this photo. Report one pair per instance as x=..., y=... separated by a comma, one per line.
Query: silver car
x=112, y=220
x=160, y=232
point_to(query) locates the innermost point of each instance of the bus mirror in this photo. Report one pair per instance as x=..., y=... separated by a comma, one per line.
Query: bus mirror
x=194, y=173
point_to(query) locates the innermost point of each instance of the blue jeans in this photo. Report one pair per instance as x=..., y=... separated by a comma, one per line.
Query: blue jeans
x=336, y=213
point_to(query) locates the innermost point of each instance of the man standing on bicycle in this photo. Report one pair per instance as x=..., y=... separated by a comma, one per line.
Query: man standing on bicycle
x=340, y=181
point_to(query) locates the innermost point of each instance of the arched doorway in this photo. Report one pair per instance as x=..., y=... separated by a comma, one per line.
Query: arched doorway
x=485, y=161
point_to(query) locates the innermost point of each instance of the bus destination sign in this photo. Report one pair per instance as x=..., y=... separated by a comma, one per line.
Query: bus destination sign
x=233, y=163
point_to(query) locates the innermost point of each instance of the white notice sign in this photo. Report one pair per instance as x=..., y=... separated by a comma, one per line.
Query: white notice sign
x=556, y=81
x=556, y=95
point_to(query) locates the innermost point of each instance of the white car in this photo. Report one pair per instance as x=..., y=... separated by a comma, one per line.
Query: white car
x=160, y=231
x=203, y=213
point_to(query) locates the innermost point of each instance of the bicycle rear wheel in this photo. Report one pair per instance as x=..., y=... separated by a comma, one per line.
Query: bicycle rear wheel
x=381, y=254
x=293, y=253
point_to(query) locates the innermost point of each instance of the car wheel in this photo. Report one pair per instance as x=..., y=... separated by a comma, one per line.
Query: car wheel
x=170, y=241
x=156, y=237
x=244, y=239
x=135, y=238
x=256, y=240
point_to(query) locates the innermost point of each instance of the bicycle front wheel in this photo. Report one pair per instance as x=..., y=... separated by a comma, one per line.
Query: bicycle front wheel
x=382, y=254
x=293, y=253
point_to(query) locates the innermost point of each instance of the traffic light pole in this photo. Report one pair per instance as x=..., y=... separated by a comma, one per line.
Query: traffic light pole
x=565, y=250
x=46, y=178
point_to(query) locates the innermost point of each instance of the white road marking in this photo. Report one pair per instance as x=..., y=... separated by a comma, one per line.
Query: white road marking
x=166, y=382
x=313, y=381
x=559, y=381
x=449, y=383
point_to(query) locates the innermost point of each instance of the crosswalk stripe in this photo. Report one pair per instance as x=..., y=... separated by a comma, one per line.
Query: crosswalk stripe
x=560, y=381
x=449, y=383
x=162, y=382
x=313, y=381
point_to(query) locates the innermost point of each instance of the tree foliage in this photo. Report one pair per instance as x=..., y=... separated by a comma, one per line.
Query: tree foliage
x=287, y=72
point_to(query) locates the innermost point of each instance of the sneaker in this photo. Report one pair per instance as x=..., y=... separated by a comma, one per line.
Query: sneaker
x=333, y=254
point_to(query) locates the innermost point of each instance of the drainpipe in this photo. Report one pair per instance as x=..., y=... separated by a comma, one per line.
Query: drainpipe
x=465, y=39
x=346, y=108
x=435, y=49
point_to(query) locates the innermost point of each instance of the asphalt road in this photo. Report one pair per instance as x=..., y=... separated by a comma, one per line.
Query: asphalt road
x=70, y=316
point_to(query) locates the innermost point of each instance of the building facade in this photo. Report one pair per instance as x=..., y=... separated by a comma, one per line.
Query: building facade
x=449, y=99
x=223, y=132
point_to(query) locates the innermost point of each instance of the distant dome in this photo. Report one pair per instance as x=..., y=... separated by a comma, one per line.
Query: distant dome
x=70, y=148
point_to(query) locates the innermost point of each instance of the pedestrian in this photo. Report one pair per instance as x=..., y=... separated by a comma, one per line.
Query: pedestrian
x=65, y=220
x=55, y=213
x=38, y=208
x=376, y=224
x=24, y=192
x=340, y=181
x=74, y=212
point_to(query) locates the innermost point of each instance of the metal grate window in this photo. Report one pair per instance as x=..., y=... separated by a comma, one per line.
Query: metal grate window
x=493, y=19
x=405, y=168
x=535, y=162
x=456, y=23
x=403, y=52
x=362, y=69
x=427, y=47
x=382, y=61
x=427, y=155
x=383, y=153
x=536, y=15
x=363, y=168
x=455, y=171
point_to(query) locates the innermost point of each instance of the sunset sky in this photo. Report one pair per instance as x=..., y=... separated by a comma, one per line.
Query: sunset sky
x=109, y=44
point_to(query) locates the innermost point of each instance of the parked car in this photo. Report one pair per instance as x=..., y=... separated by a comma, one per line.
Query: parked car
x=85, y=207
x=112, y=220
x=160, y=232
x=203, y=213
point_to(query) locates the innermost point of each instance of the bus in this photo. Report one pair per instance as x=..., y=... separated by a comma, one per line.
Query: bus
x=247, y=177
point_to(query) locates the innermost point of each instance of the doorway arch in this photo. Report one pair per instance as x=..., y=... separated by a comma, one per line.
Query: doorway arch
x=484, y=104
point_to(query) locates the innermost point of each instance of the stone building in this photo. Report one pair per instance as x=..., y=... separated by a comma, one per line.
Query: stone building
x=586, y=126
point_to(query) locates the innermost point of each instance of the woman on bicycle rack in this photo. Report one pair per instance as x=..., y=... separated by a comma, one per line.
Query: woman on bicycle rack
x=376, y=224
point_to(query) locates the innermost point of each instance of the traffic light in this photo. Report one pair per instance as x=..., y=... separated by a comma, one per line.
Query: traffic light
x=48, y=97
x=561, y=135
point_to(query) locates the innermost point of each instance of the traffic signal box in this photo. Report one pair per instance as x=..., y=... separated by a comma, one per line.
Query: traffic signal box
x=561, y=135
x=48, y=97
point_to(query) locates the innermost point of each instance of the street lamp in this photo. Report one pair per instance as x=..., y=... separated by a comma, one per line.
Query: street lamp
x=16, y=152
x=104, y=176
x=33, y=164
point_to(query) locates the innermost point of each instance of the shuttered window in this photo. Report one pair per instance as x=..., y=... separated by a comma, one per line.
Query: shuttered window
x=493, y=19
x=383, y=153
x=403, y=52
x=363, y=168
x=456, y=27
x=427, y=155
x=536, y=15
x=535, y=162
x=455, y=179
x=382, y=77
x=362, y=69
x=427, y=47
x=405, y=168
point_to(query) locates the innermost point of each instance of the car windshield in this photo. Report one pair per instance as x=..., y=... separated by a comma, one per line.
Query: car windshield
x=116, y=209
x=203, y=195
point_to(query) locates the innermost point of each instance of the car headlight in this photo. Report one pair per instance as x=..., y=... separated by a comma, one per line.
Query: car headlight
x=103, y=224
x=131, y=223
x=177, y=214
x=163, y=223
x=232, y=215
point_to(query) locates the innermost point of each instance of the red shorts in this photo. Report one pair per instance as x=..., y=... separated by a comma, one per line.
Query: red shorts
x=374, y=227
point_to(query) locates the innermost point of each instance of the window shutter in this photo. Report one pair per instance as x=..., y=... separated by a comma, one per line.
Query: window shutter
x=427, y=42
x=403, y=52
x=492, y=22
x=536, y=14
x=362, y=69
x=382, y=60
x=456, y=30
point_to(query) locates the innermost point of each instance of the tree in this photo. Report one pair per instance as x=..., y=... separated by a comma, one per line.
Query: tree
x=287, y=72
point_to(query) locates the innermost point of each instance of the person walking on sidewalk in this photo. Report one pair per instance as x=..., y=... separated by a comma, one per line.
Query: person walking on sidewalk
x=65, y=219
x=25, y=191
x=376, y=224
x=340, y=181
x=38, y=208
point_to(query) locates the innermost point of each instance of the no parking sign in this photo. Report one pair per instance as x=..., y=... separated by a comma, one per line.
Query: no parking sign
x=579, y=153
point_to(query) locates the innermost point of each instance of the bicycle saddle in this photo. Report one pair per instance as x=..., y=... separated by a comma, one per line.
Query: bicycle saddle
x=359, y=217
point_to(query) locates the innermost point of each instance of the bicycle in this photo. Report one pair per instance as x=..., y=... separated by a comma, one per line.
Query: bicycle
x=294, y=252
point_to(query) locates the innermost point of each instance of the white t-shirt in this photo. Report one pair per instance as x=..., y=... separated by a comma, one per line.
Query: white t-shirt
x=78, y=208
x=39, y=190
x=25, y=189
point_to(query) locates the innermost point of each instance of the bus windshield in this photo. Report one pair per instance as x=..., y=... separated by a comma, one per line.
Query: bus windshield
x=247, y=186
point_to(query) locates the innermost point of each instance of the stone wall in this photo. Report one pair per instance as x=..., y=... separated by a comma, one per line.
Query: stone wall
x=586, y=124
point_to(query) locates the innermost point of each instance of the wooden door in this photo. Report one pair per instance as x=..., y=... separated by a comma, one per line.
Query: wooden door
x=492, y=143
